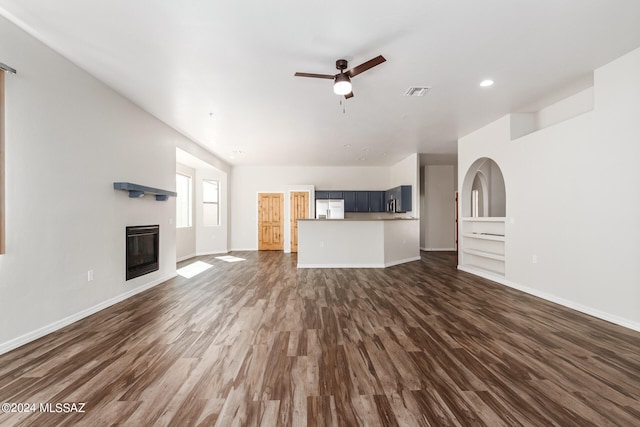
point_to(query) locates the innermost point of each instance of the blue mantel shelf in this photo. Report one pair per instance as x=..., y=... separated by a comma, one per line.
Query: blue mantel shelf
x=136, y=191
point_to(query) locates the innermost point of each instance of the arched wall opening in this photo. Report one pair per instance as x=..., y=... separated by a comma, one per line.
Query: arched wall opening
x=483, y=190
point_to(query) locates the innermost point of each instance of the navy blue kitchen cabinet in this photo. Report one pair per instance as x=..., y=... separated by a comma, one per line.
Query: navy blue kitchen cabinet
x=376, y=201
x=362, y=201
x=405, y=198
x=349, y=201
x=371, y=201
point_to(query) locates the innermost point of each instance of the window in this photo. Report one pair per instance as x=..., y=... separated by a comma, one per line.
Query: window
x=210, y=203
x=183, y=201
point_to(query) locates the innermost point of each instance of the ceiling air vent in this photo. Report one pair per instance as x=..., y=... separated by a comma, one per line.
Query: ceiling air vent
x=417, y=91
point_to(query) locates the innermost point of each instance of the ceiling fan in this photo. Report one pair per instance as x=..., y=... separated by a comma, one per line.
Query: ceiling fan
x=342, y=80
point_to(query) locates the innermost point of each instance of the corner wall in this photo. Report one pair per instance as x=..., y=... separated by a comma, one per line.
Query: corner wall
x=68, y=138
x=572, y=199
x=407, y=172
x=439, y=210
x=186, y=236
x=211, y=239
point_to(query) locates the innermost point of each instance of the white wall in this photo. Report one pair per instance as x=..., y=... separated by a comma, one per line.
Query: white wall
x=211, y=239
x=572, y=199
x=186, y=236
x=248, y=181
x=572, y=106
x=439, y=214
x=68, y=138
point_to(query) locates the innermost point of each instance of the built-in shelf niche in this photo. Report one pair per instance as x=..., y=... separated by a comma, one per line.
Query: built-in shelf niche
x=483, y=208
x=483, y=243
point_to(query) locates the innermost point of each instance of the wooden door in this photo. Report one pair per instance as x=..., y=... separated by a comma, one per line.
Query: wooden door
x=299, y=210
x=270, y=221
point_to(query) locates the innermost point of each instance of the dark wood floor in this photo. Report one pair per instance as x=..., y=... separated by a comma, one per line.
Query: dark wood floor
x=260, y=343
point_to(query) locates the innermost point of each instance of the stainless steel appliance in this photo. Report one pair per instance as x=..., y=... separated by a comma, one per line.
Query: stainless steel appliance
x=330, y=209
x=391, y=205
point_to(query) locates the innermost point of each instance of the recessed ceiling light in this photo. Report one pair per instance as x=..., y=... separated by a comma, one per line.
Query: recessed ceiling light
x=362, y=159
x=347, y=145
x=486, y=83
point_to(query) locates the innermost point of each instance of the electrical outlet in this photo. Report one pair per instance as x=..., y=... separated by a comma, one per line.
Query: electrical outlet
x=534, y=259
x=90, y=276
x=322, y=244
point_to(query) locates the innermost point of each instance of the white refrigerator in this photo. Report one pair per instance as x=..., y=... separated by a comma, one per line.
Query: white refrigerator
x=329, y=209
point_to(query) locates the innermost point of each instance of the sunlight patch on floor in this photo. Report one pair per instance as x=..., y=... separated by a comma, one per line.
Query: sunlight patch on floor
x=194, y=269
x=229, y=258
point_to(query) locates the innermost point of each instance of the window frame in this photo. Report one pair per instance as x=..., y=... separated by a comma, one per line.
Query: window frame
x=206, y=181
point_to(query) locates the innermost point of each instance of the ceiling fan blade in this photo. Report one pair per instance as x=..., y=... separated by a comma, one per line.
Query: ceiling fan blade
x=365, y=66
x=317, y=76
x=349, y=95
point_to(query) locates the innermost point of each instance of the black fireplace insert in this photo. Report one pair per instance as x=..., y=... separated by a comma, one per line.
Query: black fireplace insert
x=142, y=250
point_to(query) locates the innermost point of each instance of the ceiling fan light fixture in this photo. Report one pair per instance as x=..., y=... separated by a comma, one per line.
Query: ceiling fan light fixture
x=342, y=84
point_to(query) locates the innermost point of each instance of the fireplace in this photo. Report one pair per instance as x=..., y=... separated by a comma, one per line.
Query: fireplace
x=142, y=250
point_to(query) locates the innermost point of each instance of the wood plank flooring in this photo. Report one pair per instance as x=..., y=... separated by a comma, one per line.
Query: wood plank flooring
x=259, y=342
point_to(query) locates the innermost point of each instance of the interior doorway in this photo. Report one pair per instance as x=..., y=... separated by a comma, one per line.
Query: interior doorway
x=299, y=210
x=270, y=221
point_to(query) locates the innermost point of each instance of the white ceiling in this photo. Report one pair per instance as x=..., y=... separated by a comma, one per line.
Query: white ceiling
x=222, y=72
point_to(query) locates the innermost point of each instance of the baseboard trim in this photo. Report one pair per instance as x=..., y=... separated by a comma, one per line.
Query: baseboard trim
x=243, y=249
x=212, y=253
x=402, y=261
x=186, y=257
x=438, y=249
x=383, y=265
x=621, y=321
x=59, y=324
x=340, y=265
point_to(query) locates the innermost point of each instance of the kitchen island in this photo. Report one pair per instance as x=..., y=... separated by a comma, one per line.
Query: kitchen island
x=357, y=243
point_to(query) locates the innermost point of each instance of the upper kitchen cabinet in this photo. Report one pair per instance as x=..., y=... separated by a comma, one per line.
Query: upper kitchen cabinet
x=323, y=194
x=362, y=201
x=349, y=201
x=376, y=201
x=371, y=201
x=356, y=201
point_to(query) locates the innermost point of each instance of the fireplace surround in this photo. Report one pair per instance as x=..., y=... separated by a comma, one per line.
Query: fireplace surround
x=142, y=250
